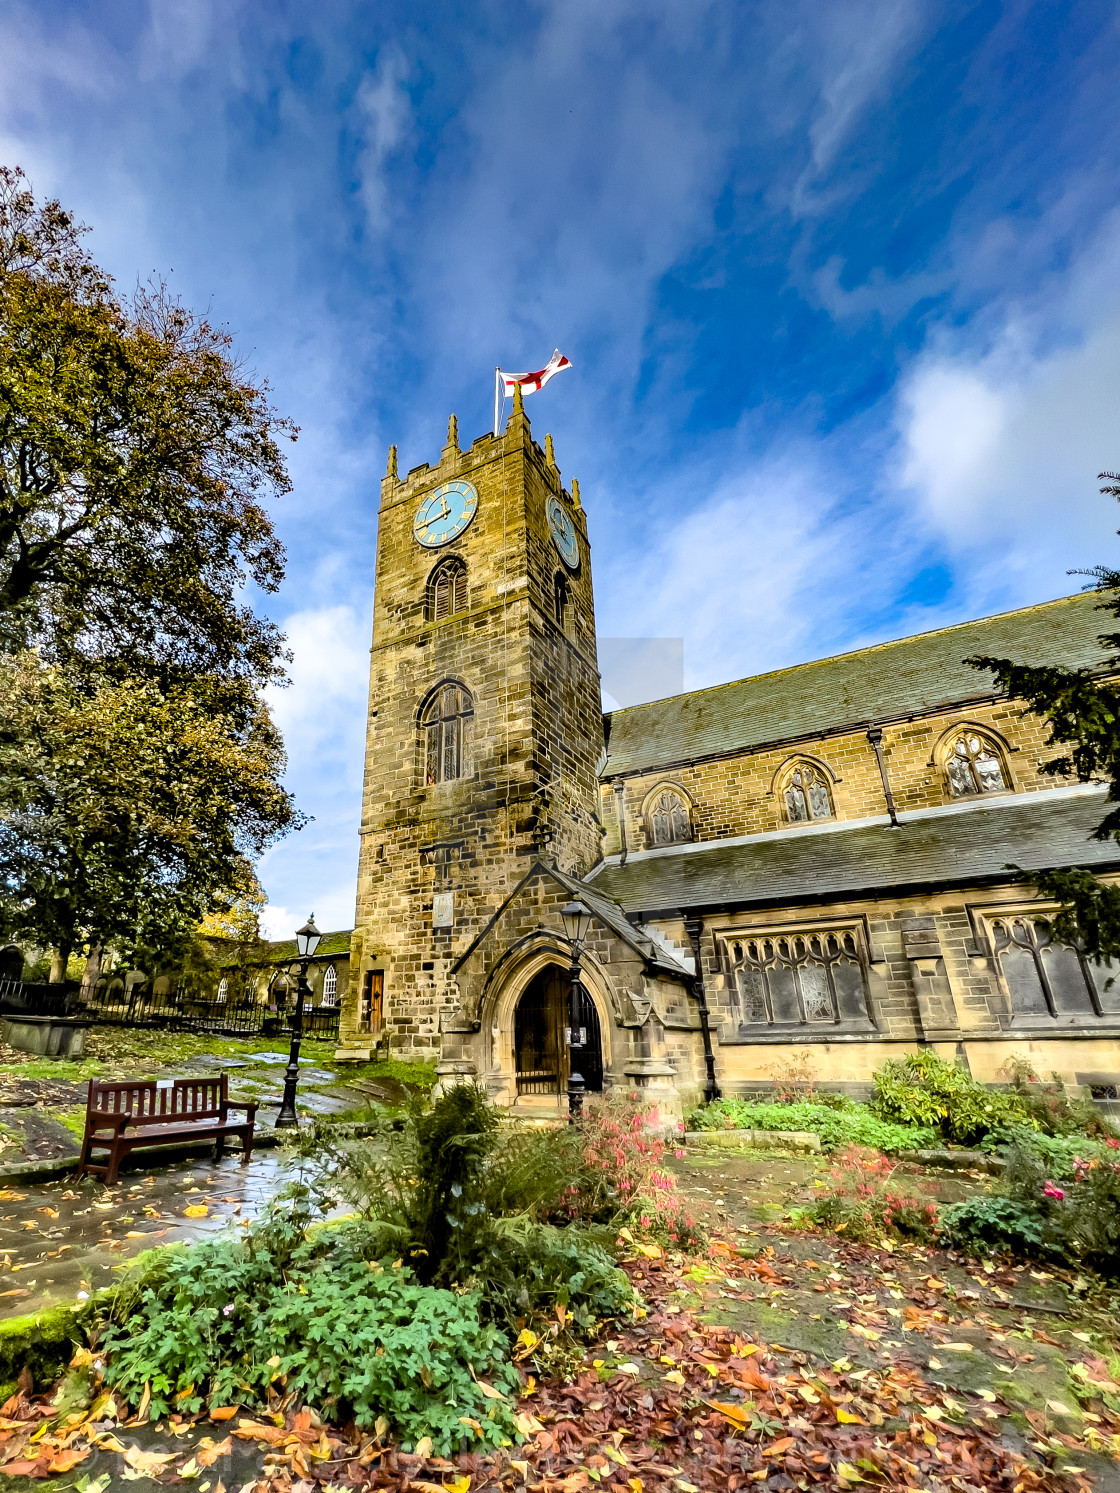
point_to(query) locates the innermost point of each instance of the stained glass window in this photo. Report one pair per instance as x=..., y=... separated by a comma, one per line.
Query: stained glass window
x=669, y=820
x=974, y=766
x=807, y=795
x=445, y=734
x=810, y=979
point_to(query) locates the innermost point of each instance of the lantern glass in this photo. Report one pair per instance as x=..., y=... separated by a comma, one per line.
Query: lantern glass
x=307, y=938
x=577, y=920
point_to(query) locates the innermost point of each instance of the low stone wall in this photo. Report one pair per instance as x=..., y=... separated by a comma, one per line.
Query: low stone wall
x=736, y=1140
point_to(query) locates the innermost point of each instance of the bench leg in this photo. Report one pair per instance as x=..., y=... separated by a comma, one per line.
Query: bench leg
x=219, y=1147
x=246, y=1146
x=114, y=1166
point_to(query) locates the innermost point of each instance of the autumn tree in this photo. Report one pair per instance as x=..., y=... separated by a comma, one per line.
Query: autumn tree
x=136, y=455
x=139, y=767
x=1082, y=708
x=129, y=813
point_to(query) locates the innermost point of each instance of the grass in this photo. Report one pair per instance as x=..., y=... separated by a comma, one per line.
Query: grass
x=123, y=1052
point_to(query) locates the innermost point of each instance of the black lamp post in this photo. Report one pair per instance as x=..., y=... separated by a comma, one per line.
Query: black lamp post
x=577, y=921
x=307, y=941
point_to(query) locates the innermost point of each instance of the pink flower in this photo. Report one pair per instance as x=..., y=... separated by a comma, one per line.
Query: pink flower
x=1050, y=1191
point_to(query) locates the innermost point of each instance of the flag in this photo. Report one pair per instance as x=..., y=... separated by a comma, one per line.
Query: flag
x=531, y=382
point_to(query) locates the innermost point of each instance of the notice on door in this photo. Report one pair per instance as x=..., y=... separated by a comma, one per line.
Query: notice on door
x=443, y=910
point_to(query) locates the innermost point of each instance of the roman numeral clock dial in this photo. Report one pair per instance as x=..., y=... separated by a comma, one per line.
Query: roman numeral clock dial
x=445, y=513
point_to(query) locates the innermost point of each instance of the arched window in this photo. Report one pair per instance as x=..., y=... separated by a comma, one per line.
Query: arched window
x=330, y=985
x=223, y=990
x=447, y=589
x=560, y=599
x=445, y=733
x=668, y=820
x=973, y=765
x=806, y=795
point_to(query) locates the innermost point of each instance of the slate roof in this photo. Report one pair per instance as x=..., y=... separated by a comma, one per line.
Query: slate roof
x=607, y=911
x=954, y=849
x=889, y=681
x=283, y=951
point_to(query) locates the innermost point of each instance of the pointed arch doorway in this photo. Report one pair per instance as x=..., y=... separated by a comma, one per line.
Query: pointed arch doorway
x=540, y=1025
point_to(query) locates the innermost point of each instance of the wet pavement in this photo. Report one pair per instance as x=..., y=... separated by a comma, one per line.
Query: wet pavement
x=60, y=1239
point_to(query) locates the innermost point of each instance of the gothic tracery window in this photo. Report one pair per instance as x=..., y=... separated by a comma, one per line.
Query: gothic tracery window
x=973, y=765
x=447, y=589
x=668, y=818
x=803, y=979
x=806, y=795
x=1048, y=980
x=445, y=729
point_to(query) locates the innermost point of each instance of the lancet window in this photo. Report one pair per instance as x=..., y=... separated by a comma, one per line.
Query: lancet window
x=447, y=589
x=668, y=820
x=330, y=985
x=812, y=979
x=806, y=795
x=561, y=599
x=973, y=765
x=445, y=733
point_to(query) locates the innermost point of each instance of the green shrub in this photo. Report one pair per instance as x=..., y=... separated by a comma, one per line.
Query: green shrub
x=924, y=1089
x=983, y=1225
x=852, y=1125
x=1048, y=1106
x=222, y=1320
x=865, y=1200
x=1076, y=1224
x=1058, y=1153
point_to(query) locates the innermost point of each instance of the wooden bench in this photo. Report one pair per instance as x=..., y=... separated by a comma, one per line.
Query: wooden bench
x=123, y=1117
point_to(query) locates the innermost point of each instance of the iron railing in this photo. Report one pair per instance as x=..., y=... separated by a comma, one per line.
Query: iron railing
x=110, y=1004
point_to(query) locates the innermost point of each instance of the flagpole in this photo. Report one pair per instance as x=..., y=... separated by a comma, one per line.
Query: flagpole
x=497, y=386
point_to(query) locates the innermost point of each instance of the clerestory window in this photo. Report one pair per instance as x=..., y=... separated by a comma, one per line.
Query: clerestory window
x=445, y=733
x=806, y=980
x=447, y=589
x=668, y=820
x=806, y=795
x=973, y=765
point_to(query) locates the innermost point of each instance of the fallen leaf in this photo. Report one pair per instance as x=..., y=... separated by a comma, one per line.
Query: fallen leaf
x=846, y=1418
x=224, y=1412
x=423, y=1447
x=777, y=1448
x=956, y=1347
x=195, y=1210
x=148, y=1463
x=68, y=1459
x=208, y=1451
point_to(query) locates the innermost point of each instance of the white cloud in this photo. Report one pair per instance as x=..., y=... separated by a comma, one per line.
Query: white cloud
x=383, y=103
x=1003, y=444
x=322, y=712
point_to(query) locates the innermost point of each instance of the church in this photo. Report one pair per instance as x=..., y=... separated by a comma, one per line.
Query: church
x=813, y=860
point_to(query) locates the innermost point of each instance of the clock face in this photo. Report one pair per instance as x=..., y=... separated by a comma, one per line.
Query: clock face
x=563, y=533
x=445, y=513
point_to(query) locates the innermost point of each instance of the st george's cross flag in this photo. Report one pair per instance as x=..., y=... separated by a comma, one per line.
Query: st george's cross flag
x=531, y=382
x=528, y=383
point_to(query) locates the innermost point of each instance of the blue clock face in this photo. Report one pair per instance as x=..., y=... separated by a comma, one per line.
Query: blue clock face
x=445, y=513
x=563, y=533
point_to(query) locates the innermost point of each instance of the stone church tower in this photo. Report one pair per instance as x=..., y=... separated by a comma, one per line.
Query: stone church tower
x=485, y=733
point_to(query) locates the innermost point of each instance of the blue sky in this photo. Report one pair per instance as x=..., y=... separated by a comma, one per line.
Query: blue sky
x=840, y=284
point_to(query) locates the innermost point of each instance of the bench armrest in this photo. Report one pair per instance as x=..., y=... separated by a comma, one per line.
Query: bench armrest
x=250, y=1108
x=100, y=1120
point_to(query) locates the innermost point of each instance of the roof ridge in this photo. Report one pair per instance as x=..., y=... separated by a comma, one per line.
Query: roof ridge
x=829, y=658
